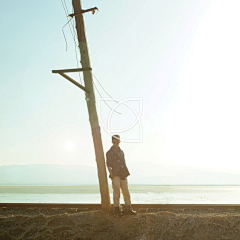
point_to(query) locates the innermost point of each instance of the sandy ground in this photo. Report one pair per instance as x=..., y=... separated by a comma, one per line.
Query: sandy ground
x=79, y=223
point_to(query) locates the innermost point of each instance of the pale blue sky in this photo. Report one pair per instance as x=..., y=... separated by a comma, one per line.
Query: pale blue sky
x=181, y=57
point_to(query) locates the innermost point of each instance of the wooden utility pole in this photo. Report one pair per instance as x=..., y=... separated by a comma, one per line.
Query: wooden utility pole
x=90, y=98
x=91, y=105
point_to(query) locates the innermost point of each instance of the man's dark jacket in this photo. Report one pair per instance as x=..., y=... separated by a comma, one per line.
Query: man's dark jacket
x=115, y=161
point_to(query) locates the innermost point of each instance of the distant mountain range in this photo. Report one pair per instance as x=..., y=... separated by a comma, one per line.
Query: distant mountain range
x=141, y=173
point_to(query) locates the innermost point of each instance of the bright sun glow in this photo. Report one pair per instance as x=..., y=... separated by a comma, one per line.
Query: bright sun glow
x=204, y=130
x=66, y=145
x=69, y=145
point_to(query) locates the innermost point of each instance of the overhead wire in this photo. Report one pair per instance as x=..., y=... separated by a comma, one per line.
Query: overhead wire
x=104, y=100
x=65, y=5
x=105, y=91
x=64, y=33
x=74, y=38
x=103, y=88
x=73, y=35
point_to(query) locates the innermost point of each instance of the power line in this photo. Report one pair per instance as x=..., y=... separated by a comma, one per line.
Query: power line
x=64, y=33
x=104, y=89
x=74, y=38
x=66, y=5
x=104, y=100
x=66, y=12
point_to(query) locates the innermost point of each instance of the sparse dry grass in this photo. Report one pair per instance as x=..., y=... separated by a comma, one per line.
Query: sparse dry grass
x=62, y=223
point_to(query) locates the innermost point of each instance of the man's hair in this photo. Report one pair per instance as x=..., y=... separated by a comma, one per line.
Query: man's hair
x=115, y=137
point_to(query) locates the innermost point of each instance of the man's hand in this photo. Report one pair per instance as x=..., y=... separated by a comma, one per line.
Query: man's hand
x=111, y=176
x=110, y=171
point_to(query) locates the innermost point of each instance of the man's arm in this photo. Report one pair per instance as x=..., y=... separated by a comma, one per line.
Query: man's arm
x=110, y=171
x=109, y=164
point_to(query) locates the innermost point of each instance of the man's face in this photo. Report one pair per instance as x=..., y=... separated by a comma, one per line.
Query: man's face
x=115, y=142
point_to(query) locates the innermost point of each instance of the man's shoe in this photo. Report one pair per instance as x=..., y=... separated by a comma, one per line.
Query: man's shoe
x=118, y=212
x=128, y=211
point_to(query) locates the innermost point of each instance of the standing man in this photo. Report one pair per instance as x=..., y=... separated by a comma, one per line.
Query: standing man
x=118, y=173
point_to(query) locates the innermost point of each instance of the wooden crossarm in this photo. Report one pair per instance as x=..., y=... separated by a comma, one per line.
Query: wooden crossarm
x=71, y=70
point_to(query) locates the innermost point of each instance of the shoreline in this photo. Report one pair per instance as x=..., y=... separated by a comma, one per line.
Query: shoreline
x=139, y=194
x=135, y=206
x=133, y=185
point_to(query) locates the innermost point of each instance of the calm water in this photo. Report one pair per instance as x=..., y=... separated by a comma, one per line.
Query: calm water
x=139, y=194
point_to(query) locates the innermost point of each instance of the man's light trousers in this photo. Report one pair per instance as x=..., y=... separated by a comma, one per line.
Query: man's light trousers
x=117, y=183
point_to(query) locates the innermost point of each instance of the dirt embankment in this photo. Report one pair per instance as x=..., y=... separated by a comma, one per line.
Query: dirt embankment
x=156, y=224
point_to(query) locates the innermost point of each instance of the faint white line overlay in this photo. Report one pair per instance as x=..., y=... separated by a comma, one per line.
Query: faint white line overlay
x=109, y=117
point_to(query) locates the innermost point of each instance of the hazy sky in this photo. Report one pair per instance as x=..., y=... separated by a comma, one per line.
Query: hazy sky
x=179, y=57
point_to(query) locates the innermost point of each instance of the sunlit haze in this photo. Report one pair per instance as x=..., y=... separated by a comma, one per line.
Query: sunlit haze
x=179, y=57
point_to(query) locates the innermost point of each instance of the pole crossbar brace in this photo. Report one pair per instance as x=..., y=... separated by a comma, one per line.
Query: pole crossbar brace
x=83, y=11
x=71, y=70
x=72, y=81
